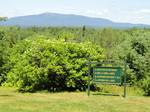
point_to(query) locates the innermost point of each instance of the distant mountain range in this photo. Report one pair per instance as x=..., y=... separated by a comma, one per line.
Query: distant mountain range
x=54, y=19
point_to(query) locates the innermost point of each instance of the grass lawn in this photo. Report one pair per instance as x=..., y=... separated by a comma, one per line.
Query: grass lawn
x=12, y=101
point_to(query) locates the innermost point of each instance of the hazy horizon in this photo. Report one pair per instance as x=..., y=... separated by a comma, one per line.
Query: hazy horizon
x=135, y=11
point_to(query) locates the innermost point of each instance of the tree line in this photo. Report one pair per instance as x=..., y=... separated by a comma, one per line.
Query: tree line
x=54, y=58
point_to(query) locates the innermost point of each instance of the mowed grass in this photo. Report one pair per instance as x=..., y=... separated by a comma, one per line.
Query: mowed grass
x=12, y=101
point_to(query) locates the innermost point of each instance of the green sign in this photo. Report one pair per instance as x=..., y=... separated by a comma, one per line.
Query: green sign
x=107, y=75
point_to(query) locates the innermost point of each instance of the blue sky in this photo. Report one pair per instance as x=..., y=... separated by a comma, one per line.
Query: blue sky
x=133, y=11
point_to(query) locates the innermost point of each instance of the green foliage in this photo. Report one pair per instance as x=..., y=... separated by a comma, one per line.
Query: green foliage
x=3, y=54
x=30, y=52
x=137, y=58
x=145, y=84
x=50, y=64
x=136, y=52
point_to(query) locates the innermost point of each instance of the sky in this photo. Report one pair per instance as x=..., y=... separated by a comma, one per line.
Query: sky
x=132, y=11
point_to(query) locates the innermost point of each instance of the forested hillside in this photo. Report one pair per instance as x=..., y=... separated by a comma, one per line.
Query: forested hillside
x=54, y=58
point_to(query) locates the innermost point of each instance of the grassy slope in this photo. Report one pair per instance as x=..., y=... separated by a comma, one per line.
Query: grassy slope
x=11, y=101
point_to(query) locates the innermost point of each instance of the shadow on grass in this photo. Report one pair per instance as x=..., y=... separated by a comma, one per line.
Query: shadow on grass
x=106, y=94
x=6, y=95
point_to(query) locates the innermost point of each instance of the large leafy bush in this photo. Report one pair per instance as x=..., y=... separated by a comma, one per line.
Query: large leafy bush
x=50, y=64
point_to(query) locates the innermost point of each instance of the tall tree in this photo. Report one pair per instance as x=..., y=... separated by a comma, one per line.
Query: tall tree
x=2, y=43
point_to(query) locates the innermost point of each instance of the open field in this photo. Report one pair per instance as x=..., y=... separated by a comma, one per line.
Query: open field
x=12, y=101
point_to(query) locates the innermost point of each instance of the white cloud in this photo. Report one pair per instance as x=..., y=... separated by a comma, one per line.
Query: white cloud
x=143, y=11
x=93, y=13
x=96, y=13
x=12, y=13
x=105, y=10
x=137, y=17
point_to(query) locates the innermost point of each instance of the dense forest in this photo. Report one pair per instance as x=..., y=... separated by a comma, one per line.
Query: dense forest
x=54, y=58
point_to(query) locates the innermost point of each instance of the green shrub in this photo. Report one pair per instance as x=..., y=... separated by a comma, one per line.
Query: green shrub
x=145, y=83
x=50, y=64
x=136, y=52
